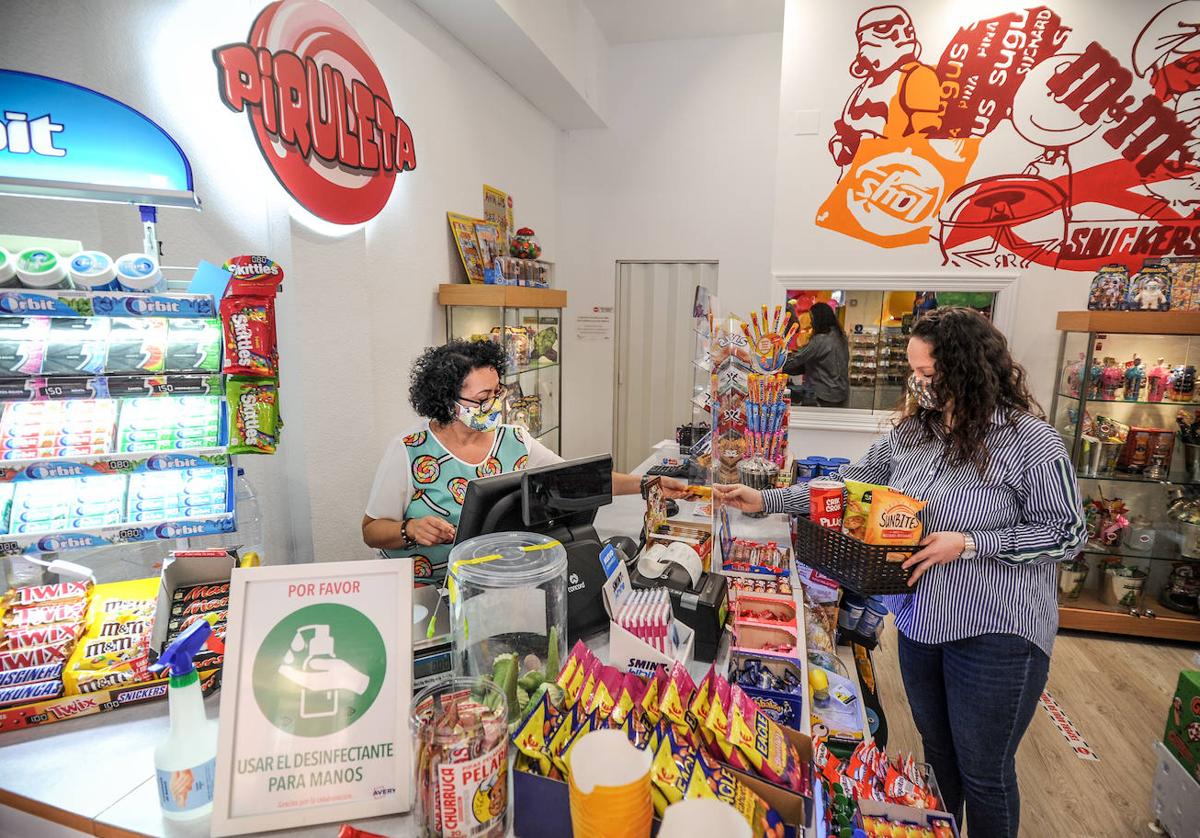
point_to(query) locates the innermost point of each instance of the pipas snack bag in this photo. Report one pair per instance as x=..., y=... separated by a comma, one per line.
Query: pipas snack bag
x=858, y=507
x=893, y=519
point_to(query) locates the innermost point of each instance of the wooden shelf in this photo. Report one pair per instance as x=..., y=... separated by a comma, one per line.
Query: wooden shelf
x=1131, y=322
x=1090, y=614
x=501, y=296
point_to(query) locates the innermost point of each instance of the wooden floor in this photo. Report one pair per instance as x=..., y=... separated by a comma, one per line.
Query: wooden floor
x=1117, y=693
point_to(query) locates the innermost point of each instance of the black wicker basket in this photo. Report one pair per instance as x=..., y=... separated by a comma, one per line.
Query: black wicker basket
x=868, y=569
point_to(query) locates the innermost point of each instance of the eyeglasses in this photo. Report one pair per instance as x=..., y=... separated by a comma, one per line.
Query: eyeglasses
x=498, y=394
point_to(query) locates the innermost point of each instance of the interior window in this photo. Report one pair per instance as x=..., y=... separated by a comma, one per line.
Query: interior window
x=858, y=360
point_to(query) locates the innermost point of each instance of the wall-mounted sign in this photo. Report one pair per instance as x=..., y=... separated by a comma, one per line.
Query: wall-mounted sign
x=60, y=140
x=318, y=679
x=319, y=109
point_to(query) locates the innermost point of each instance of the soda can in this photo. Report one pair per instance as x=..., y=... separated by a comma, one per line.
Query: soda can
x=827, y=501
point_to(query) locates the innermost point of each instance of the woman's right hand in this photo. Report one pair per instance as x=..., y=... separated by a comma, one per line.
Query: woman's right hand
x=739, y=496
x=431, y=530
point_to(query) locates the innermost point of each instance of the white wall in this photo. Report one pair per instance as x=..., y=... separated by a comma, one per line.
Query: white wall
x=685, y=170
x=357, y=306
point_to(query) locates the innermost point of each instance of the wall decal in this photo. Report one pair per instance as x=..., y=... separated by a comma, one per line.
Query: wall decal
x=918, y=146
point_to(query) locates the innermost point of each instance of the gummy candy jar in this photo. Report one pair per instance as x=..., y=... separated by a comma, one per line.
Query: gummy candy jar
x=525, y=244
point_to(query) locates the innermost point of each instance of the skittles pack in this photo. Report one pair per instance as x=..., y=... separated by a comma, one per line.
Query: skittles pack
x=252, y=354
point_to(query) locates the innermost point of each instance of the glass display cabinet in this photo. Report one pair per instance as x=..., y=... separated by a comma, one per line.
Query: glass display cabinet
x=527, y=322
x=1126, y=403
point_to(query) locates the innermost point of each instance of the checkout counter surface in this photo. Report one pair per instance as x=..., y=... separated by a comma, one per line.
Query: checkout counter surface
x=95, y=775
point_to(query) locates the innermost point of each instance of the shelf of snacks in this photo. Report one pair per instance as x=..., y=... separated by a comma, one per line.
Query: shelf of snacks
x=1126, y=380
x=531, y=334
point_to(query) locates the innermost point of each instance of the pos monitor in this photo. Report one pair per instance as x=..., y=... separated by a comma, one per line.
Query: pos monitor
x=559, y=501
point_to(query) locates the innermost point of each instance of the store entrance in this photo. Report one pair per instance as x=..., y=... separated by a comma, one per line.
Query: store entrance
x=655, y=346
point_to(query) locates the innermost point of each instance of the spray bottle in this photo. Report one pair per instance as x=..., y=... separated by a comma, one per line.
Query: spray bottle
x=186, y=761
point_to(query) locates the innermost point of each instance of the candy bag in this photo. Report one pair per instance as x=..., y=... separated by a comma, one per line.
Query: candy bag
x=763, y=743
x=708, y=779
x=893, y=519
x=249, y=324
x=858, y=507
x=254, y=408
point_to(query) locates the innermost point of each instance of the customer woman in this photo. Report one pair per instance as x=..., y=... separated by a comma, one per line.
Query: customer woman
x=824, y=360
x=421, y=482
x=1002, y=508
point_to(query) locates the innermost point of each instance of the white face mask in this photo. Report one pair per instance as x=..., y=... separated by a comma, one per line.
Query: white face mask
x=484, y=417
x=921, y=389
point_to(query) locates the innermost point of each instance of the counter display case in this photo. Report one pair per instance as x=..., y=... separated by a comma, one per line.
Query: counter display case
x=1125, y=401
x=527, y=322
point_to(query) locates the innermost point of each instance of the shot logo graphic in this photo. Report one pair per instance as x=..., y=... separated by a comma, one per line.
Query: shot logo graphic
x=319, y=109
x=319, y=670
x=1022, y=74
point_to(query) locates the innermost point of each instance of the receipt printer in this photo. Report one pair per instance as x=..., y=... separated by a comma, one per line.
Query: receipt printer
x=703, y=606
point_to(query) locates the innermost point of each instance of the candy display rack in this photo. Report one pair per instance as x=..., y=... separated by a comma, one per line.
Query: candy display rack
x=528, y=323
x=1128, y=454
x=117, y=397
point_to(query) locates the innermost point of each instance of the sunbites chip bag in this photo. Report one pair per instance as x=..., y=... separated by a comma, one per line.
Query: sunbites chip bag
x=893, y=519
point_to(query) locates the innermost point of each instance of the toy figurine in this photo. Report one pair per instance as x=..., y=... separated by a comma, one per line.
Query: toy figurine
x=1156, y=382
x=1135, y=378
x=1111, y=378
x=1182, y=383
x=1073, y=376
x=1148, y=289
x=1094, y=379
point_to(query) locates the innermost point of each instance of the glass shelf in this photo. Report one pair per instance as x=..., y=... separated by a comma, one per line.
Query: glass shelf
x=1162, y=403
x=518, y=371
x=1089, y=600
x=547, y=432
x=1121, y=477
x=1166, y=551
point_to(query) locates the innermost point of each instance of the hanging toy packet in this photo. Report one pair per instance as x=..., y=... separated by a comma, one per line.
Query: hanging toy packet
x=254, y=416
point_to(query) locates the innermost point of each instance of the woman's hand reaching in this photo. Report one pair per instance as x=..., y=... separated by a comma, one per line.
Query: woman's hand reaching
x=739, y=496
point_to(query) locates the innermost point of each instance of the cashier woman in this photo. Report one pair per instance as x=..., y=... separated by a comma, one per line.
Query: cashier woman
x=422, y=480
x=1002, y=510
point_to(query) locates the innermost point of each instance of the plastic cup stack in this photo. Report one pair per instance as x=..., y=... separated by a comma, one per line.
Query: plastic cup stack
x=610, y=787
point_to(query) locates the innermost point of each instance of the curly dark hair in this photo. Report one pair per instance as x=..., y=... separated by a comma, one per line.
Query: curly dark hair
x=975, y=374
x=437, y=376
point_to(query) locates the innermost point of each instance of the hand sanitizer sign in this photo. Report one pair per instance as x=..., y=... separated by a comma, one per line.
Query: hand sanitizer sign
x=318, y=673
x=61, y=140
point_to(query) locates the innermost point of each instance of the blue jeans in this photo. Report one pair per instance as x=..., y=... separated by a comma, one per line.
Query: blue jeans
x=972, y=700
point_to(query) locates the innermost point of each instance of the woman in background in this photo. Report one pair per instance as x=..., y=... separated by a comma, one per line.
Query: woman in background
x=824, y=360
x=1002, y=509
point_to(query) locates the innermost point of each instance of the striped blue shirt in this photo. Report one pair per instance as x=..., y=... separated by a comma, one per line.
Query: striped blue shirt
x=1024, y=515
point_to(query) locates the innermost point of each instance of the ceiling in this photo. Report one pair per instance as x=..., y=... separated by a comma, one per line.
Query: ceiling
x=626, y=21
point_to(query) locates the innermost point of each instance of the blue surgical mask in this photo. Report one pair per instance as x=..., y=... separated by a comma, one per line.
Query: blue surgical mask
x=484, y=417
x=921, y=390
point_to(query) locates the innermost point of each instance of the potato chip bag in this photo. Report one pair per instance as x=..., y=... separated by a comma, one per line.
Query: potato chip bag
x=530, y=738
x=858, y=507
x=571, y=678
x=700, y=703
x=893, y=519
x=630, y=695
x=709, y=779
x=670, y=769
x=561, y=731
x=717, y=722
x=650, y=698
x=675, y=700
x=763, y=743
x=604, y=694
x=588, y=724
